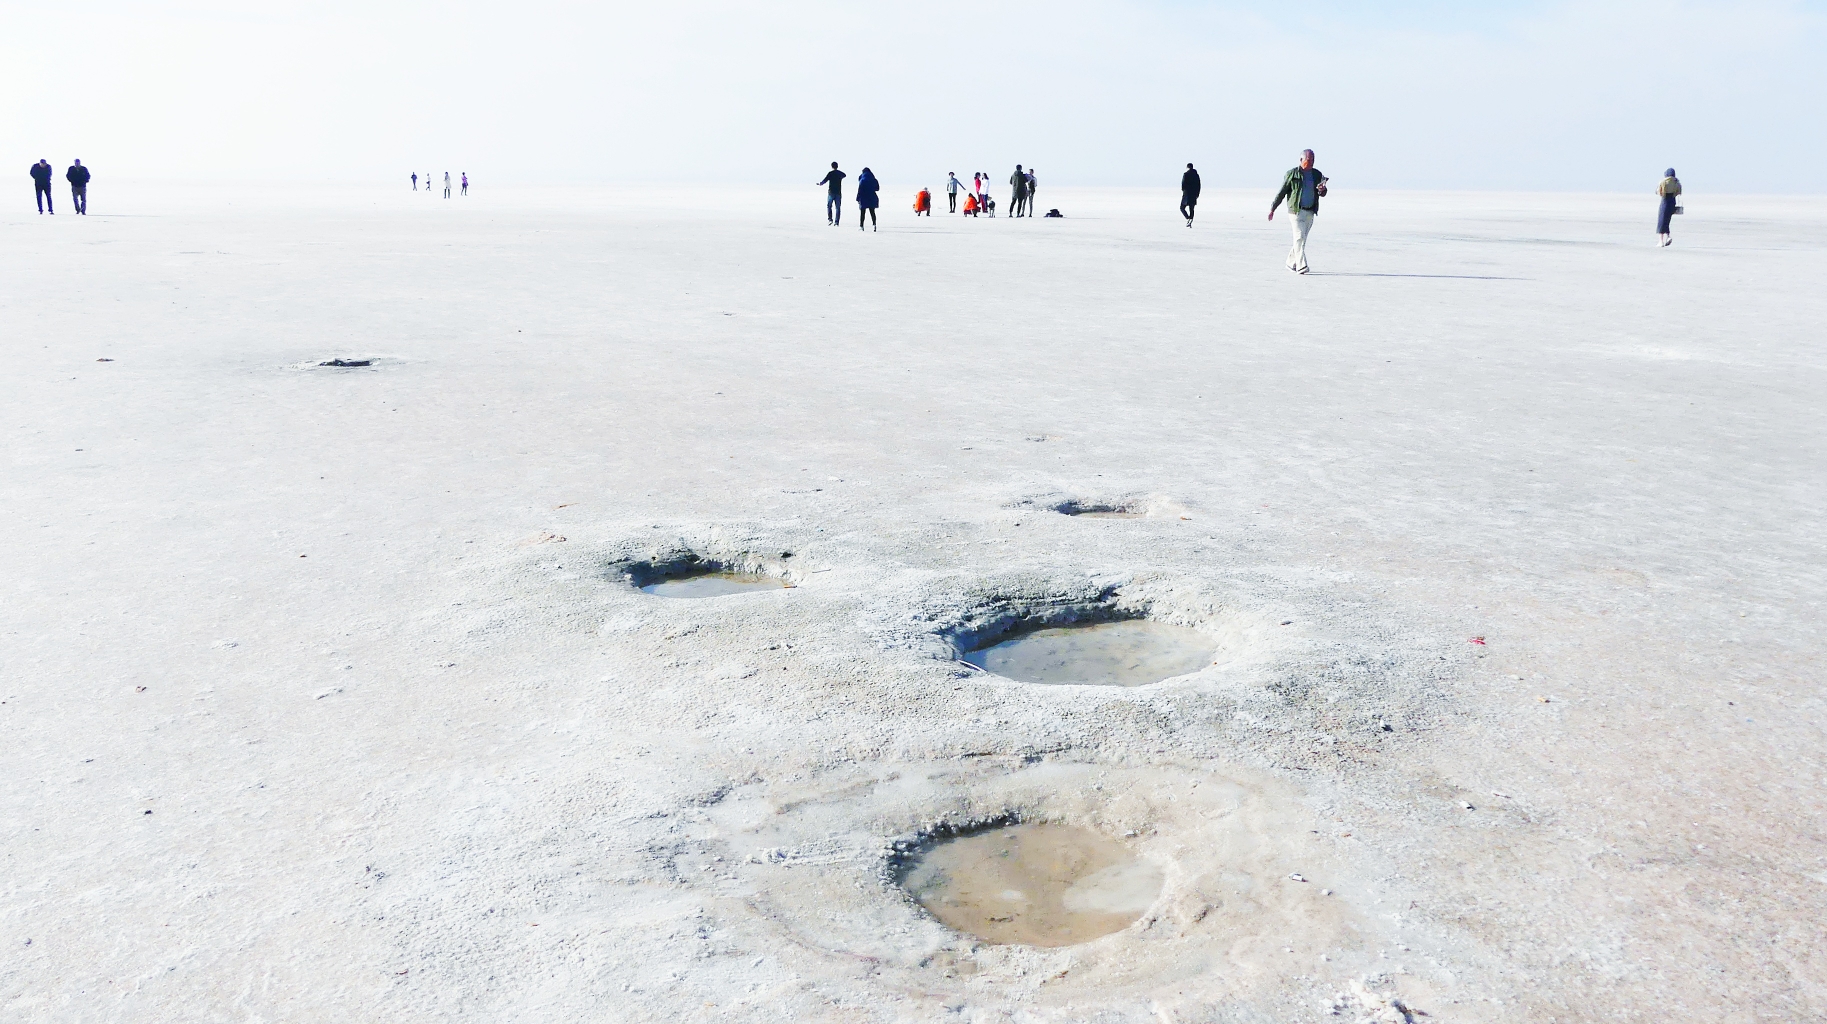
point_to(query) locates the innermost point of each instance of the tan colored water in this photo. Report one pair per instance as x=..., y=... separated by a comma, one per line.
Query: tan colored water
x=714, y=584
x=1133, y=652
x=1037, y=885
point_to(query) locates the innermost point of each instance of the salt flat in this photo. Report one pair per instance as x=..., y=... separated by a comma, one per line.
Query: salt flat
x=326, y=696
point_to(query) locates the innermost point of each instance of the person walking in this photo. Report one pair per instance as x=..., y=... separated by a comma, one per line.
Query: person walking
x=1033, y=187
x=78, y=177
x=867, y=199
x=1302, y=187
x=1019, y=183
x=41, y=186
x=1189, y=193
x=466, y=183
x=447, y=184
x=415, y=181
x=952, y=185
x=834, y=199
x=1669, y=190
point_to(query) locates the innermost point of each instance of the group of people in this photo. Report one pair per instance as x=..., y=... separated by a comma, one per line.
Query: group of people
x=977, y=199
x=415, y=183
x=77, y=176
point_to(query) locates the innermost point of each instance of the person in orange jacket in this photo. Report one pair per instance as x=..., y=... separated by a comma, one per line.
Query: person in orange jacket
x=923, y=203
x=970, y=204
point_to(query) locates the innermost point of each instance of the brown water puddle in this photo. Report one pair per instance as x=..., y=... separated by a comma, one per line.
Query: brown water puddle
x=1133, y=652
x=714, y=584
x=1036, y=885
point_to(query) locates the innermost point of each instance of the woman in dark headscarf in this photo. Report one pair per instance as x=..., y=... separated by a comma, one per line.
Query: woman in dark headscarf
x=1668, y=190
x=866, y=200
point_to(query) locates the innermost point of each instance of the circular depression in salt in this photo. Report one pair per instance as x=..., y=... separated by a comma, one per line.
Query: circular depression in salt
x=1038, y=885
x=713, y=584
x=1132, y=652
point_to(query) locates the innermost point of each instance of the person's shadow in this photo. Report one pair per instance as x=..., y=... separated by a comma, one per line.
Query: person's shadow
x=1443, y=277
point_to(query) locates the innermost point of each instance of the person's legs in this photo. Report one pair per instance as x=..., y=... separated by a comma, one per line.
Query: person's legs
x=1297, y=256
x=38, y=196
x=79, y=199
x=49, y=206
x=1664, y=219
x=834, y=208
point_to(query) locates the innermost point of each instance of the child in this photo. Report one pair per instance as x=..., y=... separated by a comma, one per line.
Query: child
x=970, y=204
x=923, y=203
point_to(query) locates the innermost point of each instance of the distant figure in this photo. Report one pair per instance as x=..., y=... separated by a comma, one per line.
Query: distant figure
x=1302, y=187
x=977, y=186
x=41, y=186
x=867, y=199
x=447, y=184
x=415, y=181
x=78, y=177
x=834, y=199
x=466, y=183
x=952, y=185
x=970, y=204
x=428, y=183
x=923, y=202
x=1019, y=183
x=1189, y=193
x=1033, y=187
x=1055, y=212
x=1668, y=190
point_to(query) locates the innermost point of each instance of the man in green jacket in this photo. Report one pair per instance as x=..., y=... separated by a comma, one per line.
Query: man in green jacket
x=1302, y=187
x=1018, y=200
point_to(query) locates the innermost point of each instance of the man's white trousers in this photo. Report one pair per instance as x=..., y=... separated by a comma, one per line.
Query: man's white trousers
x=1303, y=223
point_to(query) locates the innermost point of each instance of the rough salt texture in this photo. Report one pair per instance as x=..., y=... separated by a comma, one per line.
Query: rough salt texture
x=1507, y=525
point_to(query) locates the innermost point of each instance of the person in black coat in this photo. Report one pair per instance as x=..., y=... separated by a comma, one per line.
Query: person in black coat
x=866, y=198
x=78, y=177
x=41, y=186
x=1189, y=193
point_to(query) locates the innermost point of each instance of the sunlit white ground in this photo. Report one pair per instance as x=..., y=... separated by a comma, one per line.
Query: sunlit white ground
x=414, y=750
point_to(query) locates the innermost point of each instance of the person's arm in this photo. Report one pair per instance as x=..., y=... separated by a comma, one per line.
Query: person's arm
x=1287, y=184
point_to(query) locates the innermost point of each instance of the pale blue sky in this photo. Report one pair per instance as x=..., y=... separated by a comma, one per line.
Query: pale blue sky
x=1539, y=95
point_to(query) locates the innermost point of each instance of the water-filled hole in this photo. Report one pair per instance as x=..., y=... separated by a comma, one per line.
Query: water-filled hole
x=712, y=583
x=1038, y=884
x=1130, y=652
